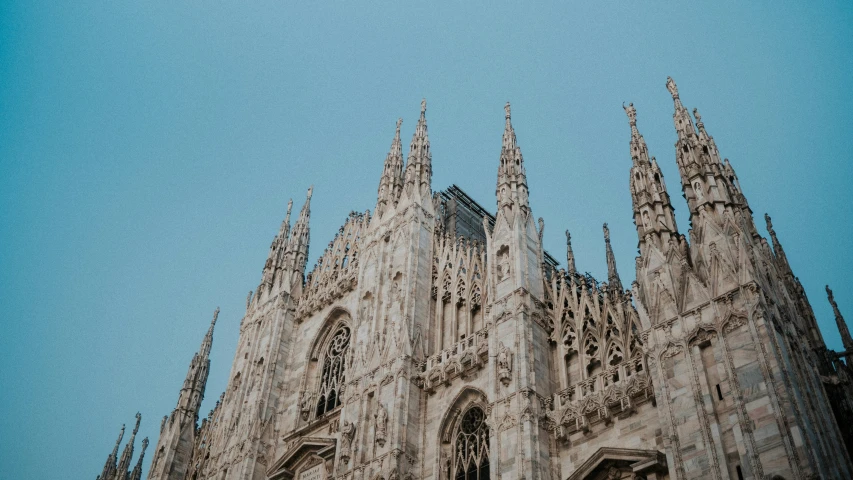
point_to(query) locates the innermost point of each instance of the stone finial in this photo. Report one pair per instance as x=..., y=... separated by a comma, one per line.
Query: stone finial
x=138, y=420
x=632, y=114
x=508, y=111
x=570, y=255
x=672, y=87
x=423, y=107
x=698, y=117
x=215, y=316
x=399, y=122
x=606, y=233
x=310, y=192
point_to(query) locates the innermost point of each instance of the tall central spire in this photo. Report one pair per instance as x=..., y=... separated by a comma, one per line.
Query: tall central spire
x=418, y=176
x=512, y=179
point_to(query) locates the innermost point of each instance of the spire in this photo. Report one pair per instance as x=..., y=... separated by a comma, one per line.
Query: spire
x=612, y=274
x=418, y=177
x=208, y=338
x=653, y=212
x=512, y=179
x=639, y=151
x=285, y=225
x=110, y=465
x=681, y=118
x=778, y=251
x=296, y=252
x=846, y=339
x=570, y=255
x=127, y=454
x=136, y=474
x=391, y=183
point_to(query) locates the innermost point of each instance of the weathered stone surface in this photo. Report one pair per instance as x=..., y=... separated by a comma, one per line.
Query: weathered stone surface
x=433, y=339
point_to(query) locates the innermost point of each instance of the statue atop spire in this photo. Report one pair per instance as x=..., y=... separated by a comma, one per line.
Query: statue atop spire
x=672, y=87
x=423, y=107
x=846, y=339
x=632, y=114
x=570, y=255
x=512, y=178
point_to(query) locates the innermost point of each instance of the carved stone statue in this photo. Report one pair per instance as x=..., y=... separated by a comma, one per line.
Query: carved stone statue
x=381, y=425
x=504, y=365
x=347, y=434
x=670, y=85
x=305, y=405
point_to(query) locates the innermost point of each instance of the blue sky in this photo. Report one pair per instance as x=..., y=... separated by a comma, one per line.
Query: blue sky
x=148, y=150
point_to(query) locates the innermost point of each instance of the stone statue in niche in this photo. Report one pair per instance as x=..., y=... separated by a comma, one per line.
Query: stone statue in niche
x=305, y=405
x=503, y=263
x=366, y=312
x=697, y=187
x=504, y=365
x=381, y=424
x=347, y=434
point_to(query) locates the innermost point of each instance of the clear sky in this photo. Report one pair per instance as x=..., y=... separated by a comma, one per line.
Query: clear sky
x=148, y=150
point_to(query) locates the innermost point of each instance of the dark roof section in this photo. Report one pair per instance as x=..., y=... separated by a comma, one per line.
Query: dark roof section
x=468, y=221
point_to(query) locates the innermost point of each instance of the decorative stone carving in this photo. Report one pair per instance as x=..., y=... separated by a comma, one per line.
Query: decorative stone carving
x=504, y=365
x=347, y=434
x=381, y=417
x=305, y=405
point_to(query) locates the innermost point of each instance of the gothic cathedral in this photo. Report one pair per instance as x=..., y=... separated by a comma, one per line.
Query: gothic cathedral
x=434, y=340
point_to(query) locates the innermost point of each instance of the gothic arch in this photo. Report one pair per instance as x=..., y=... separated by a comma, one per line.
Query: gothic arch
x=337, y=320
x=333, y=320
x=467, y=400
x=733, y=321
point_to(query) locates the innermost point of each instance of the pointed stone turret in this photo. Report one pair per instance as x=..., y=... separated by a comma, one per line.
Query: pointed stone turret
x=177, y=432
x=612, y=275
x=110, y=465
x=681, y=117
x=207, y=343
x=296, y=252
x=136, y=474
x=391, y=183
x=271, y=276
x=571, y=269
x=654, y=215
x=709, y=185
x=512, y=180
x=778, y=251
x=418, y=175
x=846, y=339
x=127, y=455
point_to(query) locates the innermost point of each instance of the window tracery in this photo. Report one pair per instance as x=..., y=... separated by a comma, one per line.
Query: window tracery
x=333, y=374
x=471, y=447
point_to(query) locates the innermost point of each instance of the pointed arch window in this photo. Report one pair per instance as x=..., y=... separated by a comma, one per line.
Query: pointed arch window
x=471, y=447
x=332, y=377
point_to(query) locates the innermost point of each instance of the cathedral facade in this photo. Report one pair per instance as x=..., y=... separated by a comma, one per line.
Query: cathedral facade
x=434, y=340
